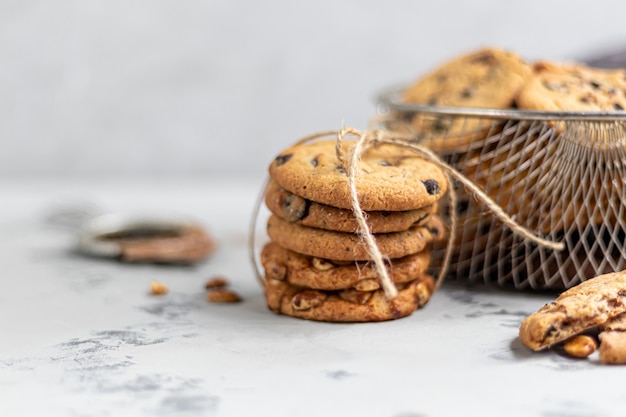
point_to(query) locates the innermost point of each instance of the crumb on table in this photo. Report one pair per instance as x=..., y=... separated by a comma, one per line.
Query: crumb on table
x=158, y=288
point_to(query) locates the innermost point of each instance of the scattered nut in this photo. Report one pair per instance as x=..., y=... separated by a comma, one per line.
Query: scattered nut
x=216, y=282
x=157, y=288
x=322, y=264
x=580, y=346
x=277, y=271
x=220, y=295
x=354, y=296
x=307, y=299
x=369, y=284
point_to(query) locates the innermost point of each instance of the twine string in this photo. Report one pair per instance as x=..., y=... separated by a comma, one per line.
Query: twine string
x=368, y=138
x=479, y=193
x=364, y=231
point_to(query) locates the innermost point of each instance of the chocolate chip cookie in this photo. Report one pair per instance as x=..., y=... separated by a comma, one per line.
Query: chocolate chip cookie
x=324, y=274
x=574, y=87
x=487, y=78
x=390, y=178
x=340, y=246
x=298, y=210
x=589, y=304
x=347, y=305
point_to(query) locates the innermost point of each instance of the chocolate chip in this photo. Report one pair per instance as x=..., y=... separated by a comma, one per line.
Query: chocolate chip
x=341, y=169
x=432, y=187
x=314, y=162
x=404, y=116
x=617, y=106
x=462, y=207
x=594, y=84
x=614, y=303
x=467, y=93
x=550, y=330
x=483, y=58
x=295, y=208
x=588, y=99
x=441, y=125
x=283, y=159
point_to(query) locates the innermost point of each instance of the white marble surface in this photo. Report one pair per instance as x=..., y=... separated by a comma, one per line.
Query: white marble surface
x=82, y=337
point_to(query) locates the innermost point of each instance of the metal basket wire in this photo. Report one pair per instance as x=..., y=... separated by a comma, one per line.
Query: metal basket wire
x=559, y=174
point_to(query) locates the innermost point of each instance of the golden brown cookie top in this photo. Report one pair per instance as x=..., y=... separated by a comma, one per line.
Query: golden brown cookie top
x=586, y=305
x=487, y=78
x=574, y=87
x=390, y=178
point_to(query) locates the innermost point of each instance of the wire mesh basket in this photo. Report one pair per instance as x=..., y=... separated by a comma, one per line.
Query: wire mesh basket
x=558, y=174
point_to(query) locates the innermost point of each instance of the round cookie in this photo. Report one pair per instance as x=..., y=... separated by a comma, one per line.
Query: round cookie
x=340, y=246
x=298, y=210
x=557, y=87
x=487, y=78
x=322, y=274
x=346, y=306
x=390, y=178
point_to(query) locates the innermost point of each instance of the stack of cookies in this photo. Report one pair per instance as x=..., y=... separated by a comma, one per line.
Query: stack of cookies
x=317, y=265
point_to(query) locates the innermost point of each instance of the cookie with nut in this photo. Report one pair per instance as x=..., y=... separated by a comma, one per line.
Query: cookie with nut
x=587, y=317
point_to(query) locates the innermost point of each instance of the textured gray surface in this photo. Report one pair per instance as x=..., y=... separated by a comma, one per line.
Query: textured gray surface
x=82, y=337
x=184, y=87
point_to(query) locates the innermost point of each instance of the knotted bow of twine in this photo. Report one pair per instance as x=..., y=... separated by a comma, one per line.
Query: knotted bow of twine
x=368, y=138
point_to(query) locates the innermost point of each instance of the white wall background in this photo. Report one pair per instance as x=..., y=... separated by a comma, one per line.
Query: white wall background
x=177, y=87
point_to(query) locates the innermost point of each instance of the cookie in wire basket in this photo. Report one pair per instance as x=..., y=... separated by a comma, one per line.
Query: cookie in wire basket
x=558, y=173
x=486, y=78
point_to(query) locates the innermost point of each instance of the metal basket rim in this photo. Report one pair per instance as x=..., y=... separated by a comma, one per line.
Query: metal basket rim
x=388, y=100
